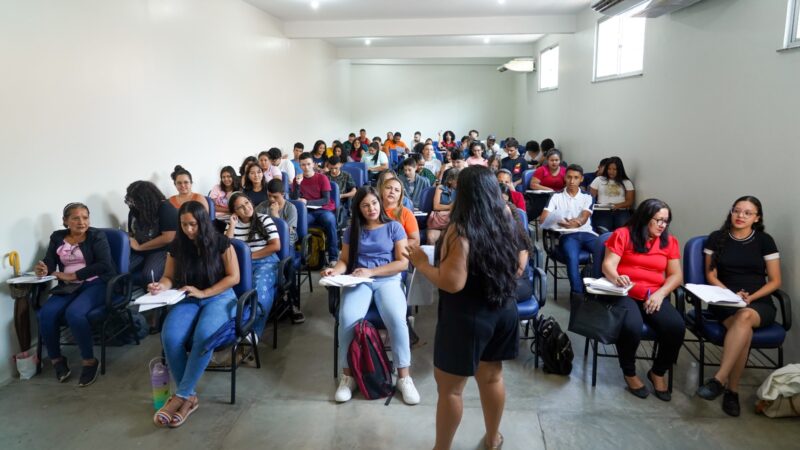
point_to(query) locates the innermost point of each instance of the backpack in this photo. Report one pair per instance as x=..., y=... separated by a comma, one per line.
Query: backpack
x=317, y=245
x=555, y=347
x=369, y=364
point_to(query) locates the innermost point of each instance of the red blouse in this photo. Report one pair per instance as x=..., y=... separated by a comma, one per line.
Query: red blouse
x=646, y=270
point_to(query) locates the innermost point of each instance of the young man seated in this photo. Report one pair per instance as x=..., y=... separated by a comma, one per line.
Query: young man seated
x=283, y=164
x=422, y=170
x=413, y=184
x=574, y=209
x=347, y=187
x=504, y=177
x=514, y=162
x=314, y=189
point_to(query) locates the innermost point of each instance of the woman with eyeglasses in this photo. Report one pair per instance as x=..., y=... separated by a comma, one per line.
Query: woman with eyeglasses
x=645, y=255
x=742, y=257
x=183, y=183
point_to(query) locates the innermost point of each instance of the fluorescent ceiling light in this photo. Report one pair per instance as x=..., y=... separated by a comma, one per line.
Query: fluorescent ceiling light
x=518, y=65
x=315, y=5
x=486, y=40
x=367, y=41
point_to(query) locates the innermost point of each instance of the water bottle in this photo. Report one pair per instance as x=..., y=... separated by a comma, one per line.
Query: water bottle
x=159, y=379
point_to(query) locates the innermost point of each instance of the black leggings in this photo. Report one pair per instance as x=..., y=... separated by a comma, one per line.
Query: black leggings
x=666, y=322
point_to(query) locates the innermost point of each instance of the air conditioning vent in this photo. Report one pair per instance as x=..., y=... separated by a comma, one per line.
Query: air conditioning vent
x=652, y=8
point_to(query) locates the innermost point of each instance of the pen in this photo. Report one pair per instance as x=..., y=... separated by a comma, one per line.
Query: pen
x=153, y=278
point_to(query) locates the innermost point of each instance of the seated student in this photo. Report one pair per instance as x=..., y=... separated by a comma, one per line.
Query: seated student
x=243, y=168
x=393, y=142
x=493, y=164
x=463, y=145
x=259, y=232
x=255, y=185
x=547, y=145
x=514, y=163
x=297, y=150
x=533, y=154
x=347, y=145
x=388, y=174
x=362, y=137
x=423, y=171
x=347, y=187
x=319, y=154
x=277, y=206
x=443, y=198
x=392, y=196
x=517, y=198
x=575, y=208
x=270, y=171
x=202, y=263
x=550, y=176
x=640, y=253
x=615, y=189
x=416, y=143
x=358, y=147
x=476, y=155
x=314, y=189
x=338, y=151
x=80, y=258
x=591, y=176
x=283, y=164
x=742, y=257
x=183, y=183
x=429, y=160
x=375, y=160
x=447, y=141
x=373, y=247
x=413, y=184
x=493, y=148
x=455, y=160
x=152, y=222
x=220, y=193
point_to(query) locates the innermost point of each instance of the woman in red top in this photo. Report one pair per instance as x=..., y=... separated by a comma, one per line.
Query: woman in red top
x=644, y=254
x=550, y=176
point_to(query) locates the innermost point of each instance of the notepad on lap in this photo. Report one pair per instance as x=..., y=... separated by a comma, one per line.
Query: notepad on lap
x=30, y=279
x=343, y=280
x=602, y=286
x=715, y=295
x=163, y=298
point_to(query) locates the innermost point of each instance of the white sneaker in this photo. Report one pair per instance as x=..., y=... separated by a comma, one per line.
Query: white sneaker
x=345, y=390
x=406, y=387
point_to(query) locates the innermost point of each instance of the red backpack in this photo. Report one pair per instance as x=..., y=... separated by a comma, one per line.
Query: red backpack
x=369, y=364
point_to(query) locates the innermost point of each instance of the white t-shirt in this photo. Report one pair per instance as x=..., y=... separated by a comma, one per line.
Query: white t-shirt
x=287, y=166
x=610, y=191
x=570, y=207
x=433, y=165
x=366, y=158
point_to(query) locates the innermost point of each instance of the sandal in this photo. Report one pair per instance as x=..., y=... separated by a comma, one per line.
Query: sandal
x=488, y=446
x=163, y=416
x=189, y=406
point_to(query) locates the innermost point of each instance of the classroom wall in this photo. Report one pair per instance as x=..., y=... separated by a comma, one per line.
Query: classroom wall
x=430, y=98
x=714, y=117
x=96, y=94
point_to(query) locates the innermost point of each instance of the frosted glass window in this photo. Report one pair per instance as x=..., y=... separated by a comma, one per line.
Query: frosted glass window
x=619, y=46
x=548, y=70
x=792, y=39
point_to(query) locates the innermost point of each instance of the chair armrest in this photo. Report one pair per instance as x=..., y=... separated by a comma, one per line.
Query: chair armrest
x=540, y=285
x=680, y=301
x=285, y=273
x=601, y=230
x=248, y=298
x=120, y=283
x=334, y=297
x=785, y=303
x=304, y=248
x=549, y=241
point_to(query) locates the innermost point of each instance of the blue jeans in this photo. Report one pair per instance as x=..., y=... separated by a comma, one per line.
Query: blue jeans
x=611, y=220
x=265, y=275
x=327, y=221
x=571, y=245
x=391, y=303
x=74, y=308
x=193, y=320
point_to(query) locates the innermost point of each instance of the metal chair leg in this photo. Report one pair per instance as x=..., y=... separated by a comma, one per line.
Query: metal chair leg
x=336, y=349
x=594, y=363
x=702, y=361
x=233, y=374
x=255, y=349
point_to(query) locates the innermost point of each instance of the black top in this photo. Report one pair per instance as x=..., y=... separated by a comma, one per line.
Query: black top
x=96, y=253
x=167, y=221
x=193, y=272
x=743, y=264
x=256, y=197
x=516, y=166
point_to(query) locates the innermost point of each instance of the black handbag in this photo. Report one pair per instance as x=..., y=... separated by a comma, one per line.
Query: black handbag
x=597, y=318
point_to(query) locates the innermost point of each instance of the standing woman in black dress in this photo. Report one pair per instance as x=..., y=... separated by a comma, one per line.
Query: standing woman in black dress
x=479, y=258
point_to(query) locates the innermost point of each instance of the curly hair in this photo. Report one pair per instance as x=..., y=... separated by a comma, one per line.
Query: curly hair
x=144, y=198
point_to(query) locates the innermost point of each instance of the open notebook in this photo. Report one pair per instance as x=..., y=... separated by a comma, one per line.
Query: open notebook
x=715, y=295
x=163, y=298
x=343, y=280
x=602, y=286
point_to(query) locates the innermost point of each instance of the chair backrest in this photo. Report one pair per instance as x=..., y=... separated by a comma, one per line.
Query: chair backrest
x=335, y=195
x=598, y=253
x=358, y=175
x=302, y=218
x=120, y=247
x=393, y=157
x=286, y=182
x=439, y=156
x=694, y=269
x=212, y=209
x=522, y=216
x=427, y=199
x=526, y=179
x=245, y=267
x=283, y=231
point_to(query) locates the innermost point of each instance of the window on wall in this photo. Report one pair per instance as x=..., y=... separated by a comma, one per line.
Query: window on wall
x=792, y=25
x=619, y=46
x=548, y=70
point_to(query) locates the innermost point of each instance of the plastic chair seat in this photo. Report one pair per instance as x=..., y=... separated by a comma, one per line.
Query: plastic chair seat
x=583, y=256
x=528, y=309
x=98, y=314
x=714, y=332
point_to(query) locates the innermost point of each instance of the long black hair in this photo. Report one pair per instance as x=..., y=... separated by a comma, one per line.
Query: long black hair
x=247, y=161
x=640, y=220
x=725, y=229
x=144, y=198
x=235, y=186
x=198, y=261
x=358, y=222
x=480, y=216
x=621, y=175
x=256, y=226
x=377, y=155
x=178, y=171
x=248, y=184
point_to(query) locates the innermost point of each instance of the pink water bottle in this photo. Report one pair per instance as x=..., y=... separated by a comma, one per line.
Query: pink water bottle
x=159, y=379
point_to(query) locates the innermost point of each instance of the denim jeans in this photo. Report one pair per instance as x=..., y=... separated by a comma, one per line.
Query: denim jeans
x=327, y=221
x=391, y=302
x=193, y=320
x=611, y=220
x=265, y=275
x=73, y=308
x=571, y=245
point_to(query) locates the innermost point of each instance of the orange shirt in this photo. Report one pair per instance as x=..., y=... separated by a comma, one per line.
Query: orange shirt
x=195, y=197
x=407, y=220
x=392, y=145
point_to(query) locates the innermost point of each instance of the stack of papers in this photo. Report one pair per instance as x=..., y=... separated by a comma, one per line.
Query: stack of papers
x=30, y=279
x=163, y=298
x=602, y=207
x=538, y=191
x=603, y=286
x=715, y=295
x=343, y=280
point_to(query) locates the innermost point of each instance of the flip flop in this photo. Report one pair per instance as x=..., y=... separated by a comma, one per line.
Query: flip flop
x=163, y=416
x=178, y=419
x=489, y=447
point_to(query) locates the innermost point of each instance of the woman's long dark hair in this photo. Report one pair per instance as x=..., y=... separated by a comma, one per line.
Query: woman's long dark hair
x=247, y=161
x=144, y=199
x=621, y=175
x=197, y=262
x=377, y=154
x=235, y=186
x=480, y=216
x=178, y=171
x=256, y=227
x=248, y=184
x=640, y=220
x=725, y=229
x=358, y=222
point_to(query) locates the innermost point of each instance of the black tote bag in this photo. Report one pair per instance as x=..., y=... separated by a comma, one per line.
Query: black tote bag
x=597, y=318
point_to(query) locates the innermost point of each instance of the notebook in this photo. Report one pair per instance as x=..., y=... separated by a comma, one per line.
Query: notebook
x=343, y=280
x=30, y=279
x=715, y=295
x=163, y=298
x=602, y=286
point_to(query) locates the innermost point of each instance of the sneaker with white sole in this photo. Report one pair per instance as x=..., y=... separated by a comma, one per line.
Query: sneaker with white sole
x=345, y=390
x=406, y=387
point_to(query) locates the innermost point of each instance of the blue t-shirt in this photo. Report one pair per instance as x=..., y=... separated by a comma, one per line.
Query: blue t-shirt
x=376, y=247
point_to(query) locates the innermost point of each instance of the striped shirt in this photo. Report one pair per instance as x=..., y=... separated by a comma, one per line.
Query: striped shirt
x=242, y=233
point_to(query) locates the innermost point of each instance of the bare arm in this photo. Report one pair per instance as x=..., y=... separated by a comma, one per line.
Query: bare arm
x=437, y=205
x=163, y=239
x=536, y=184
x=273, y=246
x=451, y=275
x=629, y=198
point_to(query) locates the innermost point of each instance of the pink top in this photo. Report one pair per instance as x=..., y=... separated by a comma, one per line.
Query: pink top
x=477, y=161
x=72, y=258
x=273, y=172
x=556, y=182
x=220, y=198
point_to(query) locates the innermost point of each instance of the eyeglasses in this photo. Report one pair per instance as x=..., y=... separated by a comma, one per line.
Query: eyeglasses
x=743, y=213
x=661, y=222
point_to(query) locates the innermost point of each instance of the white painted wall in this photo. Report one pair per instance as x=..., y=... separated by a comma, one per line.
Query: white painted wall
x=96, y=94
x=430, y=98
x=714, y=117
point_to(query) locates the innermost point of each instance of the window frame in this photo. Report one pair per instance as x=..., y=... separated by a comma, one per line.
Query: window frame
x=541, y=68
x=791, y=37
x=617, y=76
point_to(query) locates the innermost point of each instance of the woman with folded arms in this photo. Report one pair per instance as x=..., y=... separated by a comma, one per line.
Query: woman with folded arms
x=183, y=183
x=741, y=257
x=270, y=171
x=152, y=222
x=80, y=258
x=644, y=254
x=202, y=263
x=614, y=190
x=550, y=176
x=221, y=193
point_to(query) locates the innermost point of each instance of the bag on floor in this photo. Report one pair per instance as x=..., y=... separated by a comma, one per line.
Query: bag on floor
x=317, y=245
x=368, y=362
x=26, y=364
x=555, y=348
x=595, y=318
x=779, y=394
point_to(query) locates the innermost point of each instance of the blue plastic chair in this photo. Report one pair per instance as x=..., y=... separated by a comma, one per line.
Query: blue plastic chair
x=528, y=308
x=283, y=286
x=554, y=254
x=526, y=181
x=212, y=209
x=299, y=261
x=286, y=183
x=357, y=170
x=704, y=326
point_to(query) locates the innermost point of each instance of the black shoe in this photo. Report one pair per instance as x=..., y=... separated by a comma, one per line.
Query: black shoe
x=640, y=392
x=730, y=403
x=296, y=315
x=89, y=374
x=664, y=396
x=711, y=389
x=62, y=370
